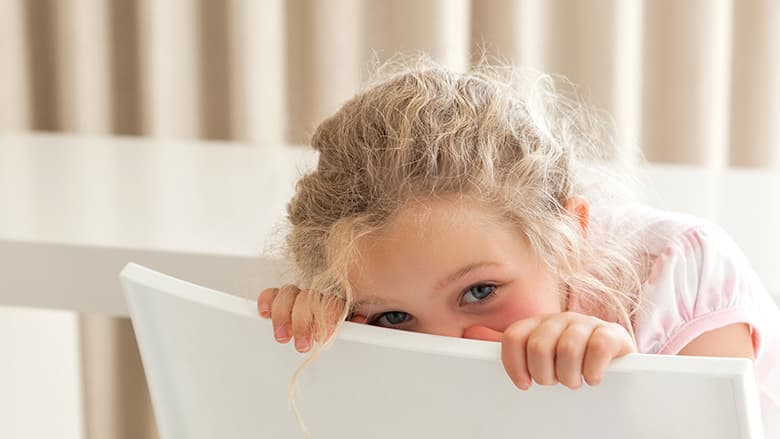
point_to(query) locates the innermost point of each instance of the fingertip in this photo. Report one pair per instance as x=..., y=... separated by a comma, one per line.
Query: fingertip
x=282, y=334
x=523, y=384
x=263, y=308
x=264, y=301
x=302, y=344
x=593, y=381
x=574, y=385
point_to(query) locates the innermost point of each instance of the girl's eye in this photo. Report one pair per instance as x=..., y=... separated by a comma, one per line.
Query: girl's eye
x=391, y=318
x=477, y=293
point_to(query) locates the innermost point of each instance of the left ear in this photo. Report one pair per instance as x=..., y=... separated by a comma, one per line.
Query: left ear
x=579, y=208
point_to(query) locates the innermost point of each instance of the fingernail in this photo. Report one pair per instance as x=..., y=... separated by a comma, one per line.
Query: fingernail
x=265, y=309
x=281, y=333
x=523, y=384
x=302, y=344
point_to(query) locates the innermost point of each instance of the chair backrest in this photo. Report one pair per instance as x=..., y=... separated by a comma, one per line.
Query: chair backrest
x=214, y=370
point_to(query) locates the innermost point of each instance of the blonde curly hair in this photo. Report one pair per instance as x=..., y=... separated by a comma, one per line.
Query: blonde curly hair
x=509, y=141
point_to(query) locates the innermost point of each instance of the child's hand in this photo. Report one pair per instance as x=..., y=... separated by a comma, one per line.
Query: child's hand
x=290, y=309
x=555, y=348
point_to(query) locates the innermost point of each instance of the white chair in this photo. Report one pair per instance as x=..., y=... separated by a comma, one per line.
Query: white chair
x=215, y=371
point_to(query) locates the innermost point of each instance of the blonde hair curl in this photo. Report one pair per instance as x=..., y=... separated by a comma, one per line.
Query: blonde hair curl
x=506, y=139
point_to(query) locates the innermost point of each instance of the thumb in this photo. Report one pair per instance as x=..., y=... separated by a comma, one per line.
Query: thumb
x=482, y=333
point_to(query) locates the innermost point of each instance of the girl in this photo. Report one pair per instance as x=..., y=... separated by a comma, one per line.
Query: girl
x=469, y=206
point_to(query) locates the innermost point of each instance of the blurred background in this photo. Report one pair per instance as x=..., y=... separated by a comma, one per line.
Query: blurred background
x=693, y=81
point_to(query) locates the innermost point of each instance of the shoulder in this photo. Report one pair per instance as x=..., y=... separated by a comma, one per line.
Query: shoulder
x=699, y=282
x=698, y=279
x=654, y=229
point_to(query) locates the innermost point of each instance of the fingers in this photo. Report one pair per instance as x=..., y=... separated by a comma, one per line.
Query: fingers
x=605, y=343
x=561, y=348
x=265, y=300
x=281, y=310
x=570, y=353
x=513, y=352
x=296, y=313
x=302, y=321
x=313, y=314
x=541, y=350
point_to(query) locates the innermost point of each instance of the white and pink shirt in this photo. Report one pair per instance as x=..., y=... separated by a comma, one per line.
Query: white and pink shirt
x=700, y=281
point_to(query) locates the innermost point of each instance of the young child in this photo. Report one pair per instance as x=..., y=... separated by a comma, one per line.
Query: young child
x=467, y=205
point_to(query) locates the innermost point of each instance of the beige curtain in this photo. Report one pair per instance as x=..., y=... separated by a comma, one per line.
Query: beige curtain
x=694, y=81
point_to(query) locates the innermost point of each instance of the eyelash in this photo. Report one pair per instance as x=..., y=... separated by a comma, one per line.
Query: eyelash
x=483, y=300
x=375, y=319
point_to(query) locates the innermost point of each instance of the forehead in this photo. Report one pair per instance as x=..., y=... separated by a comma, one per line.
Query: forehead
x=441, y=216
x=426, y=241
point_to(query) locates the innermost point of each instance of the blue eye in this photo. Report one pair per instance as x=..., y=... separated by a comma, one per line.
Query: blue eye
x=478, y=293
x=391, y=318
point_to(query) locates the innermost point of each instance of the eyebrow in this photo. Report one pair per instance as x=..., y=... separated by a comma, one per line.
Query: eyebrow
x=374, y=300
x=462, y=272
x=371, y=300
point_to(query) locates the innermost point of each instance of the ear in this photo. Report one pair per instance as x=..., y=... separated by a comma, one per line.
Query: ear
x=579, y=208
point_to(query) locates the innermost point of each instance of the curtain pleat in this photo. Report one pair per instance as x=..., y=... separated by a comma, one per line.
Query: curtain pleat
x=508, y=31
x=90, y=82
x=439, y=28
x=593, y=44
x=685, y=83
x=170, y=71
x=755, y=84
x=259, y=82
x=42, y=67
x=125, y=67
x=14, y=87
x=322, y=42
x=116, y=399
x=690, y=82
x=215, y=64
x=83, y=65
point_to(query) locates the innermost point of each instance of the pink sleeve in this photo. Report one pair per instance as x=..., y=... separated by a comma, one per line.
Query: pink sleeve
x=700, y=282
